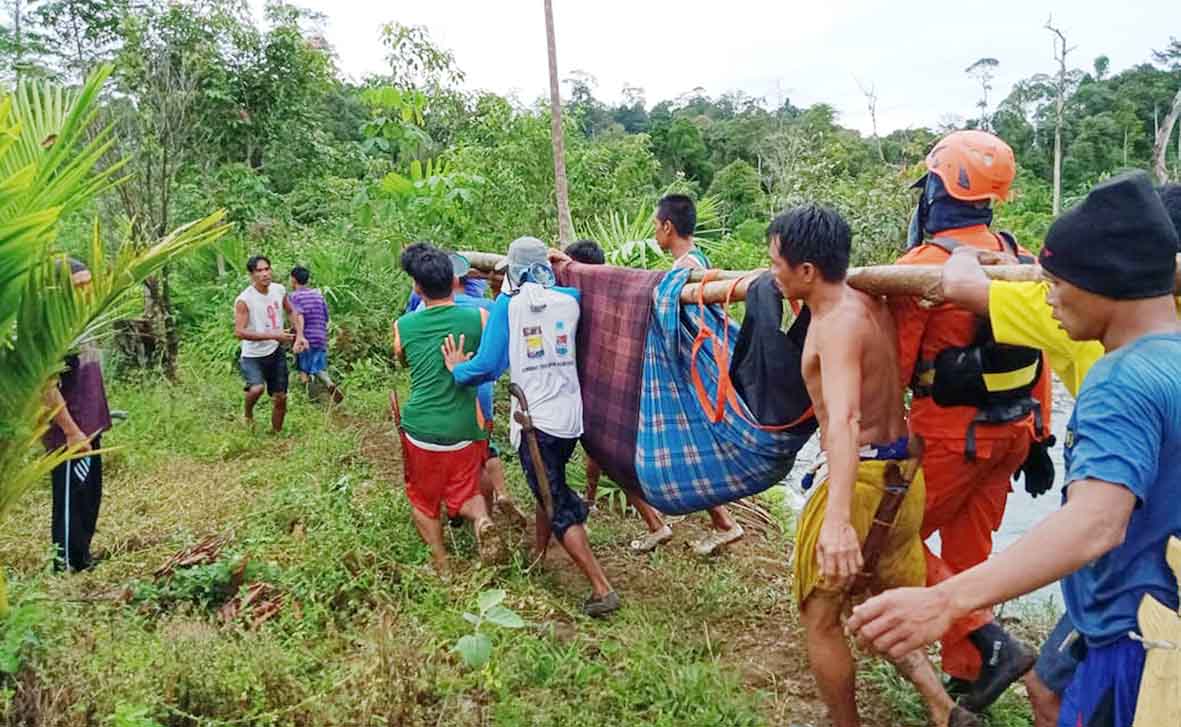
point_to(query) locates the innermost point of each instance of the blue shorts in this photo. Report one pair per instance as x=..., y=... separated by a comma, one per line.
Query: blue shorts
x=1105, y=687
x=1056, y=664
x=569, y=508
x=312, y=361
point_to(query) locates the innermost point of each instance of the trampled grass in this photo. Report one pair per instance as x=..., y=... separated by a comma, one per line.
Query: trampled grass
x=364, y=631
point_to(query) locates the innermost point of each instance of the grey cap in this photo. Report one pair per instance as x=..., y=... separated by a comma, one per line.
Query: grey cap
x=459, y=264
x=523, y=254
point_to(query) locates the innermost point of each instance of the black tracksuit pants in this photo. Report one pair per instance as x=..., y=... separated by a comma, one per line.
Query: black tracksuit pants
x=76, y=501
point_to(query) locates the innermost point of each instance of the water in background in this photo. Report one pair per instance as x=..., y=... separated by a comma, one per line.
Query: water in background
x=1022, y=511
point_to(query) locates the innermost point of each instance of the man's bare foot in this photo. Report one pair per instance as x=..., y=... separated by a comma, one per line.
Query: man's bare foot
x=489, y=544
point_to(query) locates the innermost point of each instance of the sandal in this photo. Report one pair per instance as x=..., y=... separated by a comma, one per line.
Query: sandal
x=601, y=606
x=710, y=543
x=650, y=541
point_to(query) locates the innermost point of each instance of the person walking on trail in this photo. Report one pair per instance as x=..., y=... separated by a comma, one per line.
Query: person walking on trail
x=977, y=420
x=259, y=324
x=78, y=401
x=492, y=483
x=532, y=333
x=850, y=367
x=444, y=440
x=312, y=363
x=1110, y=263
x=1020, y=316
x=589, y=252
x=676, y=221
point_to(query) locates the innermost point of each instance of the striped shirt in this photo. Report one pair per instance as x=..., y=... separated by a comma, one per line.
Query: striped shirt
x=314, y=310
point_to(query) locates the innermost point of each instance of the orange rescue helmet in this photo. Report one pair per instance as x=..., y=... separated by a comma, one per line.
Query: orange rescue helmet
x=974, y=165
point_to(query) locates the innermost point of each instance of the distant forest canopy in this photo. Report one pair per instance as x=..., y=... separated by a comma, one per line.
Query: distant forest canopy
x=224, y=109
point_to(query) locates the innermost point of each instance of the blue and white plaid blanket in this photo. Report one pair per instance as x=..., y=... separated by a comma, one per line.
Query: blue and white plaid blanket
x=685, y=462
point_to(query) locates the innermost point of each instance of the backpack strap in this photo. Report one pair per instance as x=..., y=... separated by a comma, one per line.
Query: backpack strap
x=946, y=244
x=1010, y=242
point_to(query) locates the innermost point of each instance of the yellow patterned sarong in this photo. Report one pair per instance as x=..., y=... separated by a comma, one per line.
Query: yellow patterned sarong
x=902, y=562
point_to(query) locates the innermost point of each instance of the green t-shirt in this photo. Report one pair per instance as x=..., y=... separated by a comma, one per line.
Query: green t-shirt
x=439, y=411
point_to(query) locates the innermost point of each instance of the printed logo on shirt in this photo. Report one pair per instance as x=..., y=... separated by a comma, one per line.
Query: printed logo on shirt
x=562, y=344
x=534, y=343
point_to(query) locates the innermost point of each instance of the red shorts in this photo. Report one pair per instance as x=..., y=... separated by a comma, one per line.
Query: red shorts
x=442, y=477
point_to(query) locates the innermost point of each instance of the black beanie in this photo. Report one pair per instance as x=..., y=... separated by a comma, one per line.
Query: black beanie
x=1118, y=242
x=1170, y=194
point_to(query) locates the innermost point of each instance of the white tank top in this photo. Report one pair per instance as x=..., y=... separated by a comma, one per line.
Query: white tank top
x=543, y=324
x=266, y=316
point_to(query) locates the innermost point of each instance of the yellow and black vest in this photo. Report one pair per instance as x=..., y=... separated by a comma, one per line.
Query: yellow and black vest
x=996, y=379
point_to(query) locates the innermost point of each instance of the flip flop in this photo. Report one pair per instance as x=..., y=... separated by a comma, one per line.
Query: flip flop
x=650, y=541
x=710, y=543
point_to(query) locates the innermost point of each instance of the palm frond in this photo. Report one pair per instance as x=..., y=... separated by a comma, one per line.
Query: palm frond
x=627, y=237
x=48, y=166
x=48, y=162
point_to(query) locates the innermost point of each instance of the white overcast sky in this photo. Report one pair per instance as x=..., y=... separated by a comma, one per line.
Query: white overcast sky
x=913, y=53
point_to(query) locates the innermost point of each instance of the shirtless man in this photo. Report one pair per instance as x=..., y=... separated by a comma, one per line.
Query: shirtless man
x=850, y=366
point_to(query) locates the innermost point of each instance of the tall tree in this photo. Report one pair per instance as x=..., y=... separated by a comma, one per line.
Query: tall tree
x=1060, y=83
x=983, y=71
x=1170, y=57
x=561, y=191
x=871, y=101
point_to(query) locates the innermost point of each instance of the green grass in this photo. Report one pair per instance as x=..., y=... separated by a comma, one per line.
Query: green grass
x=365, y=631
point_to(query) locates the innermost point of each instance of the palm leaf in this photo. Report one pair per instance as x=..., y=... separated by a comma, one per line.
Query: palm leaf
x=48, y=167
x=627, y=238
x=49, y=154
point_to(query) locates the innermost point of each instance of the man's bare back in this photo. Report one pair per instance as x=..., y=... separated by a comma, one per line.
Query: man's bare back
x=861, y=326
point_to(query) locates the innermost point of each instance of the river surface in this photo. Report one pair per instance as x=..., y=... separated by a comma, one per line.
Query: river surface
x=1022, y=511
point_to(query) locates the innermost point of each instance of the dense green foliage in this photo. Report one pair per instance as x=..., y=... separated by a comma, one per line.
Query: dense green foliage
x=218, y=109
x=210, y=107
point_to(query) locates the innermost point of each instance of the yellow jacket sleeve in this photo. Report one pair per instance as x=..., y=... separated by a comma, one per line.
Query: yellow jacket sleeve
x=1020, y=316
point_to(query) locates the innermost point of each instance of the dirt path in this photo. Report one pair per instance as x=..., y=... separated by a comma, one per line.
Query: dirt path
x=763, y=645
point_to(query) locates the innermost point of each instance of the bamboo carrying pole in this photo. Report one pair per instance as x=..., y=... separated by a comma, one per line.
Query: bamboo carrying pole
x=912, y=280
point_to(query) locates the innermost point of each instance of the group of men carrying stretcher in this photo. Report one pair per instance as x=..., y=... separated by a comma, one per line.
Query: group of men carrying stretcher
x=977, y=365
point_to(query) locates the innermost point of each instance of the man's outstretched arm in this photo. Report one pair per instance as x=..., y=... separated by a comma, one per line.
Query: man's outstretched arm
x=1092, y=523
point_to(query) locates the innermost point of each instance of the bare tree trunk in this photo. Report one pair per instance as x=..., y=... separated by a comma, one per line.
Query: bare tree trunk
x=18, y=62
x=1161, y=147
x=1060, y=51
x=871, y=100
x=561, y=190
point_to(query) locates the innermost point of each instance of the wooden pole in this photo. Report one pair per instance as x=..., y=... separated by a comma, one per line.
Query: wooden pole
x=921, y=281
x=561, y=190
x=916, y=280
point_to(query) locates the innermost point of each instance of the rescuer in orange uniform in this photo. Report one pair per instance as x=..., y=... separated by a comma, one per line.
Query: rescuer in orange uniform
x=977, y=406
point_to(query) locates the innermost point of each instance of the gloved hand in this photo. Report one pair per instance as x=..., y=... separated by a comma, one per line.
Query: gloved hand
x=1038, y=467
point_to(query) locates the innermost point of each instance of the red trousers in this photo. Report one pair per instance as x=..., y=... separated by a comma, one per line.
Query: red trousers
x=965, y=505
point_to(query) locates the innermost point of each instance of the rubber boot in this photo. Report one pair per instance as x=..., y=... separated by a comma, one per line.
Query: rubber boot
x=1004, y=661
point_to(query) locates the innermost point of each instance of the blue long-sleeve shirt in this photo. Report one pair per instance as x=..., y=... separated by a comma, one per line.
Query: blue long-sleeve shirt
x=492, y=358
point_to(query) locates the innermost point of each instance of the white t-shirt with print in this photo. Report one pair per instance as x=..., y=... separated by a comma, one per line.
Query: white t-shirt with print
x=266, y=316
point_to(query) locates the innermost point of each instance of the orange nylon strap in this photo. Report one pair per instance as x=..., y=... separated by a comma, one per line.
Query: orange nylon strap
x=716, y=411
